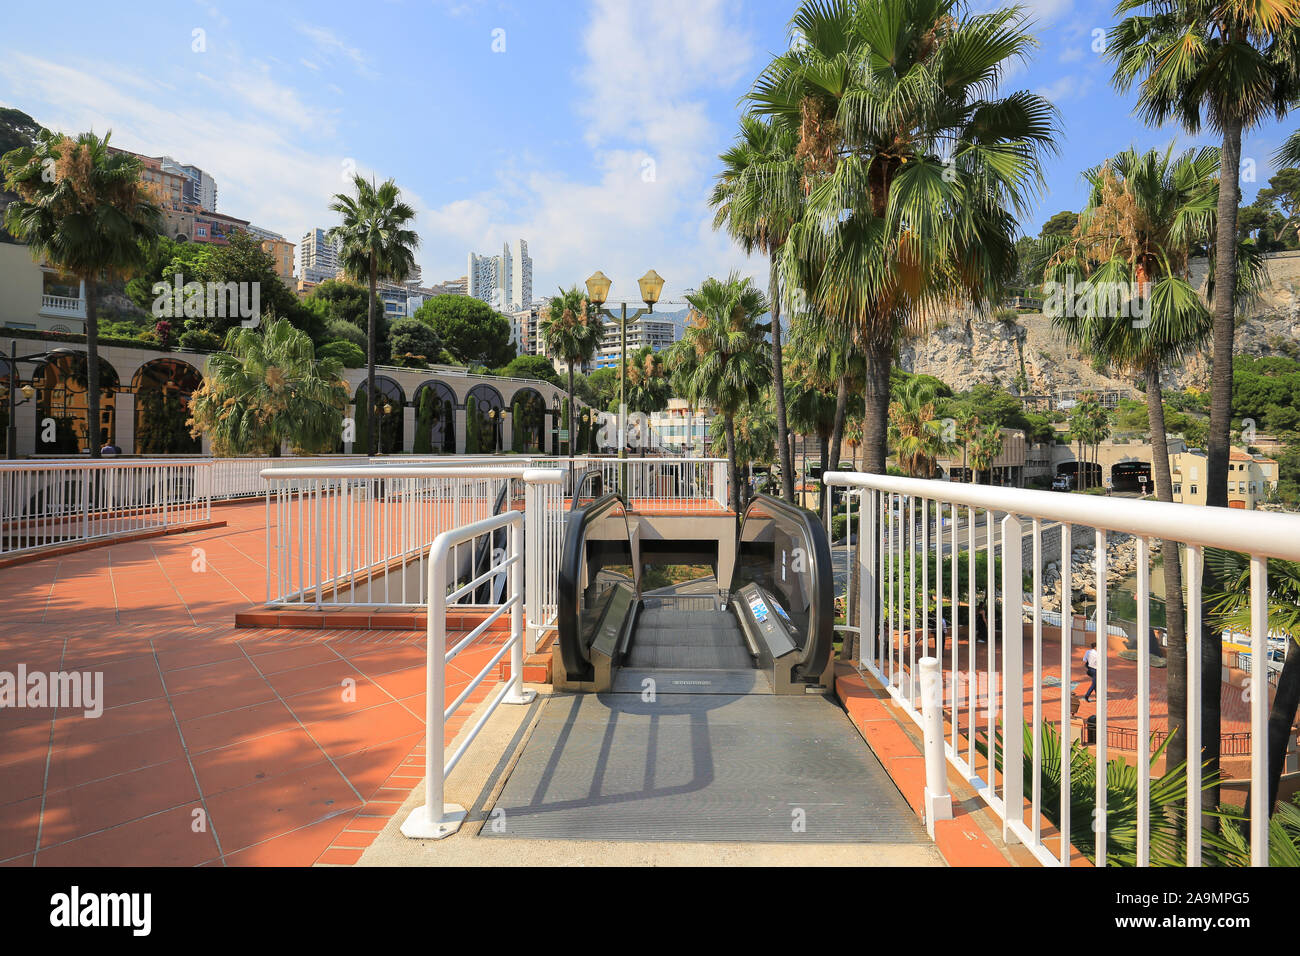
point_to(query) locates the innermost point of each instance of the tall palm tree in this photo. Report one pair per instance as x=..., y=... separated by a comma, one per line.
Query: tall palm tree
x=916, y=173
x=985, y=449
x=969, y=427
x=758, y=197
x=731, y=364
x=1225, y=64
x=915, y=431
x=84, y=209
x=570, y=332
x=266, y=388
x=375, y=242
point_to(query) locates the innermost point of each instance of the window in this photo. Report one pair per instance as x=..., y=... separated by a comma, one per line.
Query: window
x=1178, y=489
x=1193, y=489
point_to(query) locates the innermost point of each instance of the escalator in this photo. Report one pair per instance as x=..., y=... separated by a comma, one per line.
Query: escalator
x=767, y=628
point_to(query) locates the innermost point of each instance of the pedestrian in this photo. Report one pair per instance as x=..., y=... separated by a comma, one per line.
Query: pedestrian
x=981, y=622
x=1090, y=666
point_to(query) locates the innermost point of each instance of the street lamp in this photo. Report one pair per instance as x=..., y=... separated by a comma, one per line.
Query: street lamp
x=651, y=285
x=11, y=433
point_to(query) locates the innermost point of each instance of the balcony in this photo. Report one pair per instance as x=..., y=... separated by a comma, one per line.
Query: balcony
x=63, y=307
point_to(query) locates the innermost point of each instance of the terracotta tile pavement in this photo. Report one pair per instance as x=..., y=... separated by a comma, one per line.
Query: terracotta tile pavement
x=216, y=745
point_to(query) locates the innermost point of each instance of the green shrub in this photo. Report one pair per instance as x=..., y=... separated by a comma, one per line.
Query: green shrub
x=350, y=354
x=199, y=340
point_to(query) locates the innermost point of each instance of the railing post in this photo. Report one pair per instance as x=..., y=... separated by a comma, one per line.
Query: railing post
x=435, y=819
x=517, y=694
x=938, y=801
x=1012, y=682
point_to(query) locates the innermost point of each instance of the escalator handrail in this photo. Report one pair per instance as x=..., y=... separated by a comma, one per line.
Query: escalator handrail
x=580, y=483
x=816, y=651
x=483, y=551
x=573, y=552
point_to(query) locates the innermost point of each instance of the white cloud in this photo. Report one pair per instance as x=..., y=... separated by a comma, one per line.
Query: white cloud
x=633, y=215
x=331, y=47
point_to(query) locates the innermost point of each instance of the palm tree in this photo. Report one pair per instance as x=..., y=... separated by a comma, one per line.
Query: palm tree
x=375, y=242
x=758, y=198
x=731, y=365
x=916, y=176
x=985, y=450
x=1145, y=215
x=571, y=333
x=915, y=432
x=268, y=388
x=1225, y=64
x=83, y=208
x=969, y=427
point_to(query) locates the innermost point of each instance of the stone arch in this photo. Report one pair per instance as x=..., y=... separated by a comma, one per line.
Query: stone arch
x=483, y=410
x=162, y=390
x=61, y=397
x=527, y=420
x=435, y=418
x=389, y=396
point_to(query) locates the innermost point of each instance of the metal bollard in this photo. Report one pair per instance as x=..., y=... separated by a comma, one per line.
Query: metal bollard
x=938, y=802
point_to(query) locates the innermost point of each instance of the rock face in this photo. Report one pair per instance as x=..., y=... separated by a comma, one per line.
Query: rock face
x=966, y=348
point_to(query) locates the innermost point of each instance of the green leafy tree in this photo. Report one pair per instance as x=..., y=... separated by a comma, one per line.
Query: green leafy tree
x=1226, y=65
x=759, y=197
x=375, y=242
x=537, y=367
x=731, y=363
x=85, y=210
x=266, y=388
x=916, y=433
x=469, y=329
x=413, y=344
x=570, y=332
x=473, y=428
x=916, y=179
x=347, y=354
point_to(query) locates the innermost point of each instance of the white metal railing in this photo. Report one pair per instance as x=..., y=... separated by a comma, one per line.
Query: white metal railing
x=651, y=484
x=435, y=819
x=911, y=568
x=359, y=536
x=45, y=504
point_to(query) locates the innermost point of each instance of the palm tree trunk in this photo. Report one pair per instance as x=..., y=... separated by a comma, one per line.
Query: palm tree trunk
x=372, y=321
x=1175, y=612
x=571, y=419
x=837, y=429
x=732, y=476
x=1281, y=718
x=778, y=388
x=875, y=425
x=92, y=366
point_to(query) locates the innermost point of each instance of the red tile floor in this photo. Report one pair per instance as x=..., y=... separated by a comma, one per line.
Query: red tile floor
x=216, y=745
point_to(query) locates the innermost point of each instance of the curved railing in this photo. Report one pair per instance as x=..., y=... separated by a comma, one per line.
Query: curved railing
x=582, y=589
x=798, y=570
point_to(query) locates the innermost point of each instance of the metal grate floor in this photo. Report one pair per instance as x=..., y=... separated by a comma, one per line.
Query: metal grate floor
x=700, y=767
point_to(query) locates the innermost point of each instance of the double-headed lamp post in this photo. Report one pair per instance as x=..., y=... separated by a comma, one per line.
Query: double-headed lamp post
x=652, y=285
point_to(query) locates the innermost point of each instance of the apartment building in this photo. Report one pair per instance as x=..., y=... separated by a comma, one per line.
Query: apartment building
x=1251, y=478
x=504, y=282
x=279, y=248
x=318, y=258
x=655, y=330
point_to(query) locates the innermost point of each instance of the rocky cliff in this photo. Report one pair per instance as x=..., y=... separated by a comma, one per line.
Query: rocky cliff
x=966, y=348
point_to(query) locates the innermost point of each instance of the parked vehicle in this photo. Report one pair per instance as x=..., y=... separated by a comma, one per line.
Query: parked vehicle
x=1063, y=483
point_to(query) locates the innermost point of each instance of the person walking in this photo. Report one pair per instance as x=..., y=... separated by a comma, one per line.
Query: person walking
x=1090, y=666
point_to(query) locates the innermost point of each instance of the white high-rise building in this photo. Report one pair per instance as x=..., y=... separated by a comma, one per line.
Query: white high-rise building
x=504, y=282
x=318, y=258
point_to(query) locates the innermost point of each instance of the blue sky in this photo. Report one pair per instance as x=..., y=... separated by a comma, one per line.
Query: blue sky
x=588, y=127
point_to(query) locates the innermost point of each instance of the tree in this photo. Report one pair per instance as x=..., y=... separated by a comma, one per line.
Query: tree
x=374, y=242
x=269, y=387
x=413, y=344
x=470, y=329
x=916, y=434
x=473, y=427
x=758, y=197
x=1225, y=64
x=537, y=367
x=571, y=332
x=985, y=450
x=731, y=364
x=85, y=210
x=648, y=388
x=347, y=354
x=17, y=130
x=915, y=178
x=1062, y=224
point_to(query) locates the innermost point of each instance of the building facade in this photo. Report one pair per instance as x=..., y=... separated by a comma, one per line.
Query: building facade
x=504, y=282
x=318, y=257
x=656, y=331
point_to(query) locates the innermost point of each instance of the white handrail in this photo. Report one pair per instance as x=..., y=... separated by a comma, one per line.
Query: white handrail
x=436, y=819
x=897, y=539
